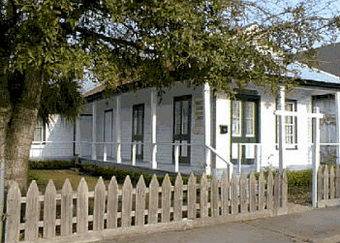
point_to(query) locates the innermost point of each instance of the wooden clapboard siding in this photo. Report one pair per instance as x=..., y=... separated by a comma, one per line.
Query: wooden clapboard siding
x=128, y=206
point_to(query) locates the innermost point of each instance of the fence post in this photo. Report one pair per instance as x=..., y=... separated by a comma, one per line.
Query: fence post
x=316, y=157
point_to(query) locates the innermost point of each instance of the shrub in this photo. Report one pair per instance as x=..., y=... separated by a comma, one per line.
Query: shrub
x=299, y=178
x=120, y=173
x=50, y=164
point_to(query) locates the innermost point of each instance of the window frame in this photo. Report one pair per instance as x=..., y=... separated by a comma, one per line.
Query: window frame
x=294, y=145
x=40, y=124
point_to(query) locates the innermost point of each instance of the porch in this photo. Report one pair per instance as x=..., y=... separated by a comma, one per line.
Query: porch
x=136, y=130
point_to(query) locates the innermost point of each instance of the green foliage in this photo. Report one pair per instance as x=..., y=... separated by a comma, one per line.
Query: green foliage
x=107, y=172
x=50, y=164
x=299, y=178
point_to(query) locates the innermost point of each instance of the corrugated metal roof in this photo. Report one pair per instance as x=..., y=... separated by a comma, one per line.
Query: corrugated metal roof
x=306, y=73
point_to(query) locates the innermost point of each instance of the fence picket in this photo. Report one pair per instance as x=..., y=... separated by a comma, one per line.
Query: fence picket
x=337, y=181
x=82, y=206
x=237, y=194
x=320, y=183
x=140, y=201
x=153, y=201
x=243, y=193
x=331, y=183
x=112, y=203
x=234, y=194
x=225, y=194
x=50, y=204
x=178, y=197
x=215, y=197
x=66, y=209
x=262, y=189
x=13, y=213
x=166, y=199
x=192, y=197
x=270, y=185
x=284, y=192
x=99, y=205
x=252, y=192
x=325, y=182
x=32, y=212
x=203, y=196
x=126, y=202
x=277, y=190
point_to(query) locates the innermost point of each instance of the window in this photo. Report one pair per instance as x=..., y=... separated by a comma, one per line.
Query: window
x=249, y=119
x=39, y=132
x=236, y=118
x=290, y=125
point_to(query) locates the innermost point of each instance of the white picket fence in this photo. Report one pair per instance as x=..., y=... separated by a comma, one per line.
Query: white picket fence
x=71, y=213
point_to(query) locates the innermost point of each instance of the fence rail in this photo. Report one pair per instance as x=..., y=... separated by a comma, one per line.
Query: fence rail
x=66, y=213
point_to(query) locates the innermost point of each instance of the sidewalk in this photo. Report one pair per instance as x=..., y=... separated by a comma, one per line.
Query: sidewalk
x=320, y=225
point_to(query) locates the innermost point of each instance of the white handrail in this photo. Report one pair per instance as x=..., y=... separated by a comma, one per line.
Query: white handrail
x=231, y=165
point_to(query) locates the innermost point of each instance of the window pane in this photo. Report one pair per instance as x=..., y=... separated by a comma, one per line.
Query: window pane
x=250, y=118
x=177, y=117
x=39, y=132
x=236, y=118
x=185, y=114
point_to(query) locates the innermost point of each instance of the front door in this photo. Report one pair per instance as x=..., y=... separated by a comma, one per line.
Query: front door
x=138, y=129
x=182, y=126
x=244, y=128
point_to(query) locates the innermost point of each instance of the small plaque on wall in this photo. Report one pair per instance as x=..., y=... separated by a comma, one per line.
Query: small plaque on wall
x=198, y=116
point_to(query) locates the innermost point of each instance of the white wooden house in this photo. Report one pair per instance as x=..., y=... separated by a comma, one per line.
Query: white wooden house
x=197, y=129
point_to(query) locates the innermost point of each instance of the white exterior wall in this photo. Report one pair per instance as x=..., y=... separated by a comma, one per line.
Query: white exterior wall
x=295, y=158
x=59, y=141
x=164, y=124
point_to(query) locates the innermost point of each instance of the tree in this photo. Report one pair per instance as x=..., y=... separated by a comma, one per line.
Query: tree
x=48, y=45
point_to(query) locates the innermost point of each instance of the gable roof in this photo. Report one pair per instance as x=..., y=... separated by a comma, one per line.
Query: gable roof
x=329, y=58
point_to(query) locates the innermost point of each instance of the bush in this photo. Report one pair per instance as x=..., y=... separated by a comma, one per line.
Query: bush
x=299, y=178
x=120, y=173
x=50, y=164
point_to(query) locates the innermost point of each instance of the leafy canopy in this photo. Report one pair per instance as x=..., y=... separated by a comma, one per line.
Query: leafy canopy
x=156, y=42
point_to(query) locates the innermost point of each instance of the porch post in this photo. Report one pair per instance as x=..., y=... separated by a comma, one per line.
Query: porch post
x=207, y=127
x=282, y=130
x=153, y=129
x=337, y=118
x=78, y=136
x=94, y=130
x=118, y=130
x=316, y=156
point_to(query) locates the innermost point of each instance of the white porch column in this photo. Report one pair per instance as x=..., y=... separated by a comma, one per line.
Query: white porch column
x=94, y=130
x=118, y=130
x=78, y=136
x=337, y=117
x=282, y=129
x=153, y=129
x=207, y=127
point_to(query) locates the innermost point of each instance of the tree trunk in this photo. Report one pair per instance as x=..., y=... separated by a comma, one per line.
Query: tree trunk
x=18, y=142
x=17, y=135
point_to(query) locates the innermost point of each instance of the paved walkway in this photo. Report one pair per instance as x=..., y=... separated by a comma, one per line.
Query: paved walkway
x=321, y=225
